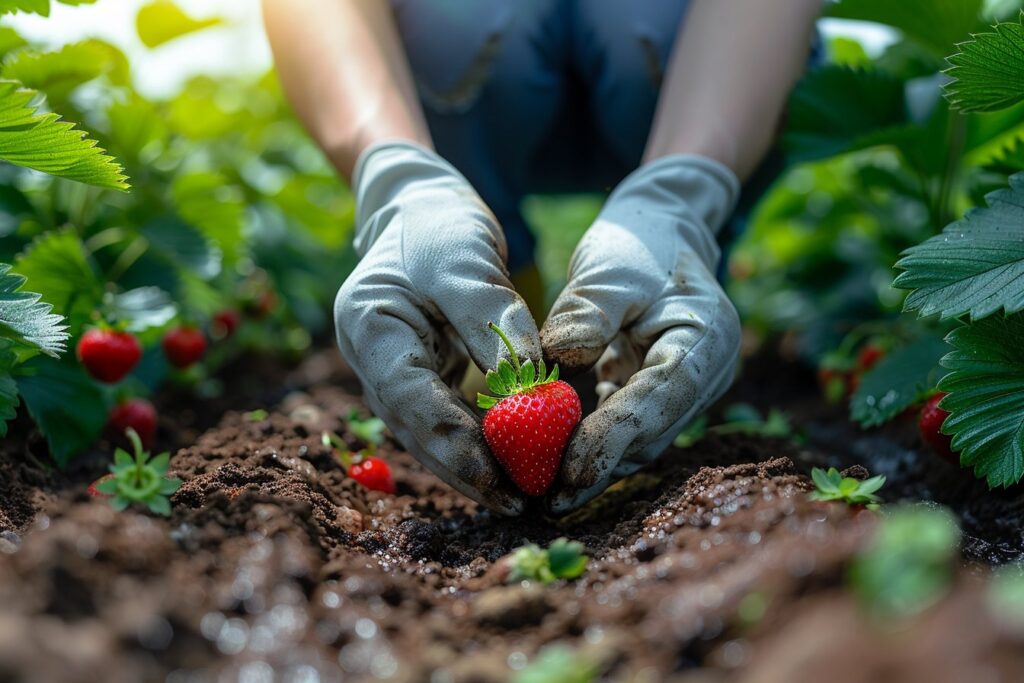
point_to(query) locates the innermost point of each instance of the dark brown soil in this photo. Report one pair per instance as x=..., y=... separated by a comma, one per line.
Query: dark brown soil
x=274, y=566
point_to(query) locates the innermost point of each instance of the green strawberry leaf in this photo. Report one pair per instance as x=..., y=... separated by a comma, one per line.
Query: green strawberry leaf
x=903, y=377
x=46, y=143
x=986, y=397
x=972, y=267
x=161, y=21
x=988, y=71
x=67, y=405
x=142, y=308
x=25, y=319
x=934, y=24
x=837, y=109
x=8, y=401
x=56, y=266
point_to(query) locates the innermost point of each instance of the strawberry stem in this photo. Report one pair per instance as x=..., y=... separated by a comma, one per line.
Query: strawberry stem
x=508, y=345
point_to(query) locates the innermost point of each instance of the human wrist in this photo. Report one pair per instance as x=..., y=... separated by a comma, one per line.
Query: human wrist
x=682, y=185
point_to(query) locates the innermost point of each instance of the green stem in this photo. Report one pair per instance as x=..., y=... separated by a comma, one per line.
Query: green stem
x=508, y=345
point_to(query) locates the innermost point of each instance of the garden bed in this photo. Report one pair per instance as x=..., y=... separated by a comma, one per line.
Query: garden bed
x=711, y=565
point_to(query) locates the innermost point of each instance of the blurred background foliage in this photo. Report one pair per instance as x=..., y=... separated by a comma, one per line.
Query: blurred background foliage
x=232, y=207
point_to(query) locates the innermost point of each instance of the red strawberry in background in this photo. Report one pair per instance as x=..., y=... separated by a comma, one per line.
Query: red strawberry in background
x=529, y=426
x=184, y=345
x=136, y=413
x=930, y=424
x=869, y=356
x=108, y=355
x=225, y=323
x=373, y=473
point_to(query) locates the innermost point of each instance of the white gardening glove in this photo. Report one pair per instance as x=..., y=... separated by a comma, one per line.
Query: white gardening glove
x=643, y=302
x=432, y=276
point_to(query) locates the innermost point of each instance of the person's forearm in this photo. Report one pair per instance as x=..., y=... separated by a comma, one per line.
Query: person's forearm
x=728, y=79
x=344, y=71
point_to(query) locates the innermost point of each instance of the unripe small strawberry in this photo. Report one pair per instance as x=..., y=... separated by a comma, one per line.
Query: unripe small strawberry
x=184, y=345
x=108, y=355
x=528, y=428
x=930, y=425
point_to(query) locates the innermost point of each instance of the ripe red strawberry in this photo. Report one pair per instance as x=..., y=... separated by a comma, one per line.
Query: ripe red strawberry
x=930, y=424
x=93, y=488
x=225, y=323
x=136, y=413
x=529, y=427
x=184, y=345
x=108, y=355
x=869, y=356
x=373, y=473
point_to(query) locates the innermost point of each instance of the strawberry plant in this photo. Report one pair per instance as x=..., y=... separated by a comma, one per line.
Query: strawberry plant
x=831, y=485
x=139, y=479
x=971, y=274
x=528, y=427
x=230, y=208
x=888, y=171
x=563, y=559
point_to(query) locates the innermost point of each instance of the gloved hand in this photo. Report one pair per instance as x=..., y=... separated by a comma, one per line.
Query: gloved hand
x=643, y=302
x=432, y=275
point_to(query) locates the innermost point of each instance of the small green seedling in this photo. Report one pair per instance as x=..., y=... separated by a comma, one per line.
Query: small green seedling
x=563, y=559
x=908, y=565
x=367, y=429
x=141, y=479
x=740, y=418
x=831, y=485
x=257, y=415
x=557, y=664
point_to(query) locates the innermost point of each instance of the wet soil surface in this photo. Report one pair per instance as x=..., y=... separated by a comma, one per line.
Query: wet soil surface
x=711, y=565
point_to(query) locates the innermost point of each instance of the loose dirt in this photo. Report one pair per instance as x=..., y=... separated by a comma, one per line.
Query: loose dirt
x=711, y=565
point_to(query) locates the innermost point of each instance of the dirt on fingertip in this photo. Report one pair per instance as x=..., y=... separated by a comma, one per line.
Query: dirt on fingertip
x=712, y=564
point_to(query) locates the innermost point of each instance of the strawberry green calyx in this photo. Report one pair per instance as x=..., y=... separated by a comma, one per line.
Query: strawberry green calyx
x=511, y=378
